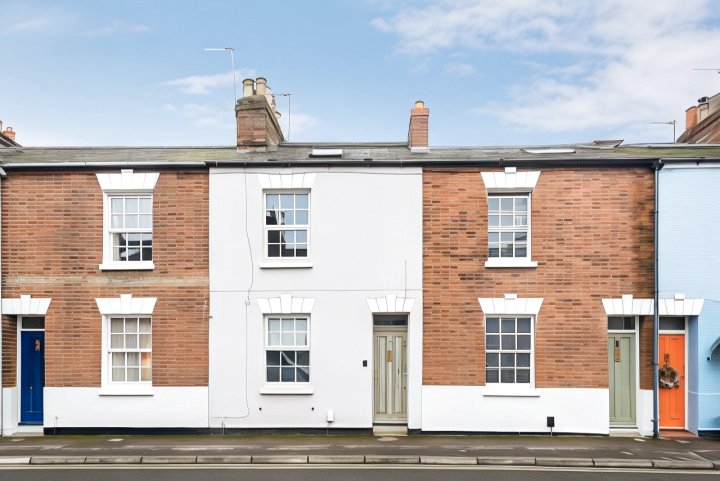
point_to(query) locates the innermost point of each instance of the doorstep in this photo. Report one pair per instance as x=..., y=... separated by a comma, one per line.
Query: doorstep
x=390, y=430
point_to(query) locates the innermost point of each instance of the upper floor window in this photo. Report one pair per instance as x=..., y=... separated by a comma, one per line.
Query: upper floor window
x=287, y=225
x=127, y=220
x=508, y=231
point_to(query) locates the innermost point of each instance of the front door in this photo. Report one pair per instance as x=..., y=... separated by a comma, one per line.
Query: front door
x=672, y=380
x=390, y=376
x=32, y=376
x=621, y=373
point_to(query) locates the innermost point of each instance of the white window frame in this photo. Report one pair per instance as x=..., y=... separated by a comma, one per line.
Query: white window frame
x=286, y=347
x=514, y=385
x=290, y=262
x=125, y=184
x=511, y=183
x=125, y=306
x=499, y=229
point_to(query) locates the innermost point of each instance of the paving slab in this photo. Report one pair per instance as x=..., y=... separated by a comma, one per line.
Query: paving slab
x=337, y=459
x=169, y=459
x=15, y=460
x=682, y=464
x=224, y=459
x=622, y=463
x=448, y=460
x=506, y=461
x=273, y=459
x=57, y=460
x=384, y=459
x=113, y=460
x=565, y=462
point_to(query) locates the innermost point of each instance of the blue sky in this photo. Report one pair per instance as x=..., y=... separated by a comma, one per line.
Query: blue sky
x=516, y=72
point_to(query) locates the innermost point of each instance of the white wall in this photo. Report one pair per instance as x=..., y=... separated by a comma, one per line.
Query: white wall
x=10, y=413
x=168, y=407
x=366, y=242
x=466, y=408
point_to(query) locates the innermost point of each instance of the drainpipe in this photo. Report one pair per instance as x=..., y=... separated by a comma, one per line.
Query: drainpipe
x=656, y=306
x=2, y=406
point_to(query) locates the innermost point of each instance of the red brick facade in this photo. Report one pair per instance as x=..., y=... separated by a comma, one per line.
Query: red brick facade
x=52, y=232
x=592, y=237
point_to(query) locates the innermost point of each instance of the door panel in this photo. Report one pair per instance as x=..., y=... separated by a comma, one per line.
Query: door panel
x=672, y=399
x=390, y=377
x=621, y=378
x=32, y=376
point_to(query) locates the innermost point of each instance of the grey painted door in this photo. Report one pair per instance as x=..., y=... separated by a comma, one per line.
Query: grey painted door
x=390, y=376
x=621, y=374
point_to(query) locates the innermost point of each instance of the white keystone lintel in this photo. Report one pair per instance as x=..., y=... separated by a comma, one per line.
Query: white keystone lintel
x=25, y=305
x=509, y=181
x=286, y=304
x=127, y=180
x=677, y=306
x=390, y=303
x=510, y=305
x=286, y=181
x=126, y=304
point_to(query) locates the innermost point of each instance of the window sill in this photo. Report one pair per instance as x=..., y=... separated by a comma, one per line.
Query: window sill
x=127, y=266
x=510, y=263
x=126, y=390
x=273, y=389
x=493, y=391
x=285, y=265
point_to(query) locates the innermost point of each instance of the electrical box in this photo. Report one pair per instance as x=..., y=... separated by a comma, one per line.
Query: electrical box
x=330, y=416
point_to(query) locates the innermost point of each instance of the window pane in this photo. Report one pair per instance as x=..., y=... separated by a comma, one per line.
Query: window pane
x=615, y=323
x=629, y=323
x=523, y=376
x=491, y=375
x=507, y=360
x=508, y=341
x=301, y=339
x=301, y=201
x=117, y=359
x=672, y=323
x=287, y=201
x=493, y=237
x=116, y=205
x=492, y=324
x=301, y=217
x=287, y=374
x=288, y=325
x=491, y=360
x=145, y=221
x=131, y=221
x=145, y=374
x=521, y=251
x=132, y=359
x=145, y=205
x=520, y=236
x=116, y=325
x=273, y=236
x=287, y=217
x=521, y=204
x=507, y=375
x=522, y=359
x=133, y=374
x=523, y=324
x=303, y=374
x=273, y=324
x=494, y=251
x=118, y=374
x=287, y=358
x=493, y=203
x=272, y=202
x=303, y=358
x=272, y=358
x=288, y=339
x=523, y=343
x=521, y=220
x=506, y=220
x=116, y=222
x=493, y=220
x=273, y=250
x=301, y=324
x=273, y=374
x=131, y=205
x=506, y=203
x=508, y=325
x=492, y=343
x=301, y=236
x=273, y=339
x=116, y=341
x=145, y=341
x=271, y=217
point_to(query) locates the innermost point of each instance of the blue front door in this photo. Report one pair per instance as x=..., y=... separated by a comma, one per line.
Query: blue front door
x=32, y=376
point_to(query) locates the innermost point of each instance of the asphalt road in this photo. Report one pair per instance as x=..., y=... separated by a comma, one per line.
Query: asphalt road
x=375, y=473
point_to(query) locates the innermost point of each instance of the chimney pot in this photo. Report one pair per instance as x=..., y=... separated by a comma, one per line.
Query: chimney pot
x=9, y=133
x=248, y=87
x=260, y=86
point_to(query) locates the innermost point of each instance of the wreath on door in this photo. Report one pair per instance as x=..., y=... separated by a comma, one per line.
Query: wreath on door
x=669, y=377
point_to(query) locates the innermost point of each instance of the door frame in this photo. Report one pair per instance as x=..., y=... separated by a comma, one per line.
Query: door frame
x=401, y=329
x=684, y=332
x=636, y=360
x=20, y=330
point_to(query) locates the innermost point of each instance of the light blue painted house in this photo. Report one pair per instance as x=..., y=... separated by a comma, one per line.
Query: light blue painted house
x=689, y=292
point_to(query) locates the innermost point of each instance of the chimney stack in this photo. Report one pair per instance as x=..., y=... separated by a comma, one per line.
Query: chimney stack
x=418, y=130
x=9, y=133
x=691, y=117
x=257, y=119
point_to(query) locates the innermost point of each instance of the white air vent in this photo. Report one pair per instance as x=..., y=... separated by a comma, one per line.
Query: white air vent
x=549, y=151
x=326, y=153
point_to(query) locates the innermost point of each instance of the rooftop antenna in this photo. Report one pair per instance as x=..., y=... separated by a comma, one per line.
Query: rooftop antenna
x=231, y=50
x=288, y=97
x=711, y=69
x=672, y=122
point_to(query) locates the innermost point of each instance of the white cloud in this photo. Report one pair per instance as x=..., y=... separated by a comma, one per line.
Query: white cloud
x=205, y=84
x=203, y=115
x=460, y=69
x=18, y=20
x=118, y=27
x=615, y=64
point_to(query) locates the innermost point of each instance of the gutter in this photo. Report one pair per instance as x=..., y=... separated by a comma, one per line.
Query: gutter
x=656, y=306
x=65, y=165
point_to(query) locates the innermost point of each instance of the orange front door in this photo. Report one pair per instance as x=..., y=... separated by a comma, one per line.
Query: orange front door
x=672, y=388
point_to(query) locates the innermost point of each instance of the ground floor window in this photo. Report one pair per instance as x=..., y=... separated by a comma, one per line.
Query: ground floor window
x=287, y=349
x=508, y=350
x=130, y=349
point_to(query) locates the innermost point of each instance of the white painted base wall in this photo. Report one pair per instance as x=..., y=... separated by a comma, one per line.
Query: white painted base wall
x=645, y=412
x=168, y=407
x=10, y=411
x=465, y=408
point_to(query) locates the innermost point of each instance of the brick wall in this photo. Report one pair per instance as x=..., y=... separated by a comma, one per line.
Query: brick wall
x=592, y=236
x=52, y=245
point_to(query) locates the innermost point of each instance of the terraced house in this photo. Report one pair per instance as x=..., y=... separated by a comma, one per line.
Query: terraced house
x=346, y=286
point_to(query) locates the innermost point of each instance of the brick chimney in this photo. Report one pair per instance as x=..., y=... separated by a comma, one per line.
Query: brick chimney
x=418, y=130
x=257, y=119
x=691, y=117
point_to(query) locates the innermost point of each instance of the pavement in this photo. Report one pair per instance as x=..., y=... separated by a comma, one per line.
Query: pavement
x=678, y=451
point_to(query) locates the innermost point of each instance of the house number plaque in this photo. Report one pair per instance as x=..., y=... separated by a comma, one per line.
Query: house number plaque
x=618, y=356
x=37, y=345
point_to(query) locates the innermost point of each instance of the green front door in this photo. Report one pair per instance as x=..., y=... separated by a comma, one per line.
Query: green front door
x=621, y=374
